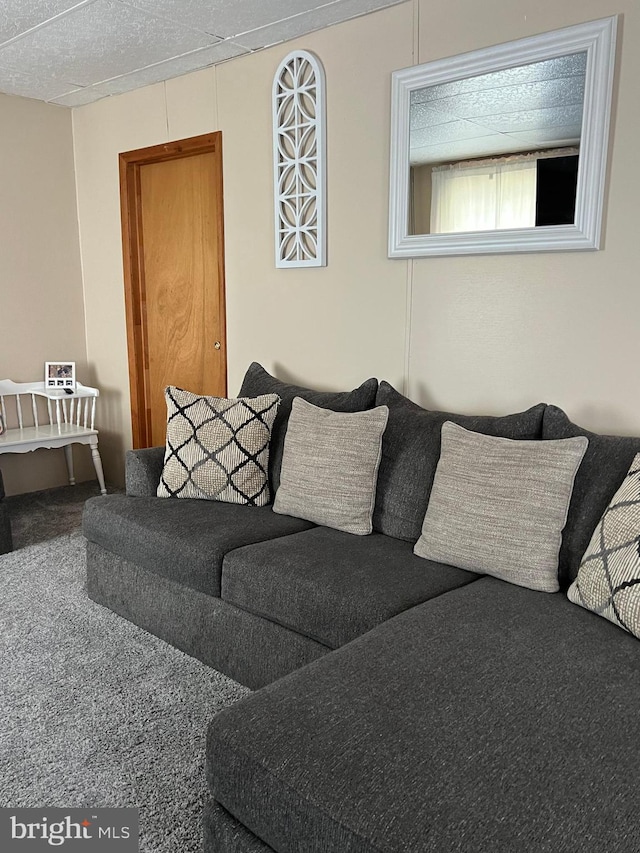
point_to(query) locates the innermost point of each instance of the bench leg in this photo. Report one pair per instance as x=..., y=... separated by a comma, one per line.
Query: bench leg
x=68, y=453
x=97, y=464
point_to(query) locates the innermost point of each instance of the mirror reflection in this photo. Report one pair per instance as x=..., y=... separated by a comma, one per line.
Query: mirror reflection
x=499, y=150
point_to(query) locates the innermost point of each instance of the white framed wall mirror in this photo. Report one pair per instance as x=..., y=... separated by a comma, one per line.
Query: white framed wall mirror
x=503, y=149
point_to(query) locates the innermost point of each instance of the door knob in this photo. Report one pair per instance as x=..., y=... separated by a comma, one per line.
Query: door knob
x=217, y=345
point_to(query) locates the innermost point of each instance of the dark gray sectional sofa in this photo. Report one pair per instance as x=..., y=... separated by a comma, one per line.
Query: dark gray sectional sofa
x=404, y=705
x=6, y=540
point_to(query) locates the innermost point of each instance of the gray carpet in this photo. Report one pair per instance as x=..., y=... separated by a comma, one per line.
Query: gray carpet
x=40, y=516
x=94, y=711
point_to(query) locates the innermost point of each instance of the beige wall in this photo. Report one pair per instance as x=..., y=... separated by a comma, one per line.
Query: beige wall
x=41, y=299
x=496, y=333
x=473, y=334
x=331, y=327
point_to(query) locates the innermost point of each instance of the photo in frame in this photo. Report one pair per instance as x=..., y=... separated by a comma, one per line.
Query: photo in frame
x=60, y=375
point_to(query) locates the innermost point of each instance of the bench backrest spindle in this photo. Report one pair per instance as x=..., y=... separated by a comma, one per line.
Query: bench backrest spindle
x=34, y=409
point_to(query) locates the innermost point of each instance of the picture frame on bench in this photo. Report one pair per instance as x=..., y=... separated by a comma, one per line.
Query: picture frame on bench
x=60, y=375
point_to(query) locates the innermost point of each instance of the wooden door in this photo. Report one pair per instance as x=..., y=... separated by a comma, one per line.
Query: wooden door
x=172, y=221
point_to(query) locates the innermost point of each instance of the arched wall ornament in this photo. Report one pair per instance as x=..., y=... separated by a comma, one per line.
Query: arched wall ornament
x=299, y=159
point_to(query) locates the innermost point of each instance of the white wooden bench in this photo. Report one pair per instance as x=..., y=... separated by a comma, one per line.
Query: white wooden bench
x=69, y=420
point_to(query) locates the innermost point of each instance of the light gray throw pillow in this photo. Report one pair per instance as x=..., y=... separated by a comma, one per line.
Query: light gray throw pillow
x=608, y=579
x=498, y=505
x=330, y=466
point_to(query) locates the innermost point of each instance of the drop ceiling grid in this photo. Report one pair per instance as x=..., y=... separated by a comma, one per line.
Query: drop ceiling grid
x=17, y=17
x=73, y=53
x=508, y=110
x=98, y=42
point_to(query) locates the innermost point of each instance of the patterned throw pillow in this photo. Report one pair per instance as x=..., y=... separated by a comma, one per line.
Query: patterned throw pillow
x=498, y=506
x=330, y=466
x=608, y=581
x=217, y=449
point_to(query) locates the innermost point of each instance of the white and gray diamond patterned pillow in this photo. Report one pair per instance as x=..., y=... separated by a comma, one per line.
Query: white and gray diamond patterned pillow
x=217, y=448
x=608, y=581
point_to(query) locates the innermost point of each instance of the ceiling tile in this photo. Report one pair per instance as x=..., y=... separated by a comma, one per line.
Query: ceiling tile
x=550, y=136
x=300, y=25
x=173, y=67
x=528, y=96
x=523, y=120
x=75, y=51
x=493, y=145
x=79, y=97
x=100, y=41
x=153, y=74
x=571, y=66
x=515, y=109
x=449, y=132
x=227, y=18
x=16, y=16
x=425, y=115
x=27, y=86
x=450, y=151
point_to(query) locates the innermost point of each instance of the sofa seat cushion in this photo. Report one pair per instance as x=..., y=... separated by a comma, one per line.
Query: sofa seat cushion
x=494, y=718
x=332, y=586
x=184, y=540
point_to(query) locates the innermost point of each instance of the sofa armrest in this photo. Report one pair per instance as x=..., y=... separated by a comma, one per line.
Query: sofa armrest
x=142, y=471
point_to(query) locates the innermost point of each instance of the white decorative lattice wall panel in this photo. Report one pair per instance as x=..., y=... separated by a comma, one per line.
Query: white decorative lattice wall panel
x=299, y=161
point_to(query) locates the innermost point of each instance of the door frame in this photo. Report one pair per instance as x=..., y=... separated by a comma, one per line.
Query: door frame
x=130, y=163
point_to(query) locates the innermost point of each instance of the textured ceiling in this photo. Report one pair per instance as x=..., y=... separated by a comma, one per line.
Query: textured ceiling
x=517, y=109
x=73, y=53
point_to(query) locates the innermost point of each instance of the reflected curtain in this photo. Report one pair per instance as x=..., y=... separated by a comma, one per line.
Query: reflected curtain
x=484, y=197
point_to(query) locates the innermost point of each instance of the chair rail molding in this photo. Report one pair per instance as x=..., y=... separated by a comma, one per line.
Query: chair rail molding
x=299, y=161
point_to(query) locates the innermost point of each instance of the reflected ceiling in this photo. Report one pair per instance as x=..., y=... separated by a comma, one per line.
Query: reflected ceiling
x=517, y=109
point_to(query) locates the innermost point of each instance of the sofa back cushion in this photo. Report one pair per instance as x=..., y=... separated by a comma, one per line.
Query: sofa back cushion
x=257, y=381
x=604, y=467
x=410, y=454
